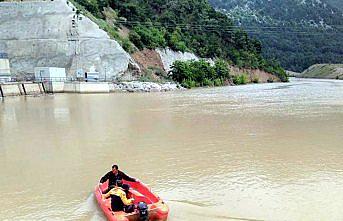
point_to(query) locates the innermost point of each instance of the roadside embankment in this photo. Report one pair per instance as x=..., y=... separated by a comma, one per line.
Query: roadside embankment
x=324, y=71
x=254, y=75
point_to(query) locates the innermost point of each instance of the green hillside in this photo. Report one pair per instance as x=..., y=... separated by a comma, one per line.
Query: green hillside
x=183, y=25
x=327, y=71
x=298, y=33
x=336, y=4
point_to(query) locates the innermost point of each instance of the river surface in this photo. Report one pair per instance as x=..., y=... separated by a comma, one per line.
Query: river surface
x=254, y=152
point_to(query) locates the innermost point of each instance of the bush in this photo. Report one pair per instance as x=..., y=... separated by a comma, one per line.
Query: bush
x=240, y=79
x=127, y=45
x=207, y=82
x=221, y=69
x=270, y=80
x=218, y=82
x=175, y=41
x=255, y=80
x=188, y=83
x=200, y=73
x=135, y=38
x=150, y=37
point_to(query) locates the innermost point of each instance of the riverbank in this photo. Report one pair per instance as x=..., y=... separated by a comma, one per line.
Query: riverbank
x=323, y=71
x=30, y=88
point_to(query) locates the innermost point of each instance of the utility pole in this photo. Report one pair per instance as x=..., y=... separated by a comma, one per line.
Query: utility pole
x=105, y=74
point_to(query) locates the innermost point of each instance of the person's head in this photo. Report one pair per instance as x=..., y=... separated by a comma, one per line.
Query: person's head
x=126, y=188
x=119, y=183
x=111, y=187
x=115, y=169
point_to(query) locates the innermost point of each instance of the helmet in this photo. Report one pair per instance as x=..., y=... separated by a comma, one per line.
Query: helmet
x=143, y=211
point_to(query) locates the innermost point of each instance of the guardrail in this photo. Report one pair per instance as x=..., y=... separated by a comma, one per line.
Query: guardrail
x=3, y=55
x=58, y=79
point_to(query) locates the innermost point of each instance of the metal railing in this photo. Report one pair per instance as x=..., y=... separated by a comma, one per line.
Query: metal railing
x=3, y=55
x=61, y=79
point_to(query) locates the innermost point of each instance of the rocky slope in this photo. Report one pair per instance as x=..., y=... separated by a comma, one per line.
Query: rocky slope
x=161, y=61
x=325, y=71
x=49, y=33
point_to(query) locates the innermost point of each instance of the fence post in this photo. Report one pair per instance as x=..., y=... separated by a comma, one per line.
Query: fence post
x=24, y=89
x=44, y=91
x=2, y=93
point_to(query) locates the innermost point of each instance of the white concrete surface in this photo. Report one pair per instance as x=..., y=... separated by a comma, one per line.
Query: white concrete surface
x=10, y=89
x=33, y=88
x=86, y=87
x=50, y=74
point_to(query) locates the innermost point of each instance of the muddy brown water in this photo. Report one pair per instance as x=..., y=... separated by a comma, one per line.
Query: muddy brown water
x=254, y=152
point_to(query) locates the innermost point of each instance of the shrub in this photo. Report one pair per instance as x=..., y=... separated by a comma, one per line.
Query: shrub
x=127, y=45
x=148, y=36
x=207, y=82
x=255, y=80
x=240, y=79
x=270, y=80
x=200, y=73
x=221, y=69
x=218, y=82
x=135, y=38
x=188, y=83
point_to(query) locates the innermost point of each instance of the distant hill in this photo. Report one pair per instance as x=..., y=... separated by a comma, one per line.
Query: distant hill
x=298, y=33
x=336, y=3
x=327, y=71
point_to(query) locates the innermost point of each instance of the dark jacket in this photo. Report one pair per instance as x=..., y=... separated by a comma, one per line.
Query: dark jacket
x=112, y=178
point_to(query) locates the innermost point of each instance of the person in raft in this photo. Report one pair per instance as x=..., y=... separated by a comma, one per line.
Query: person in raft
x=114, y=175
x=119, y=199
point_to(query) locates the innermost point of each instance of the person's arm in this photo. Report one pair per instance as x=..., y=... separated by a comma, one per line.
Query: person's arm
x=126, y=177
x=125, y=200
x=107, y=195
x=105, y=177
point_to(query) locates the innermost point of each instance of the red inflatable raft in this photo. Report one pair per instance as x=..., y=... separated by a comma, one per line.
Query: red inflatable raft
x=157, y=209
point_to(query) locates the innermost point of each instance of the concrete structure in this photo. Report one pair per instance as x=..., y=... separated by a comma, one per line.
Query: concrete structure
x=5, y=72
x=22, y=88
x=92, y=75
x=49, y=34
x=50, y=74
x=52, y=78
x=54, y=86
x=87, y=87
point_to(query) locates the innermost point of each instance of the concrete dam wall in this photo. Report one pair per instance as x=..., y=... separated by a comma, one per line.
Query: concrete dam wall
x=48, y=33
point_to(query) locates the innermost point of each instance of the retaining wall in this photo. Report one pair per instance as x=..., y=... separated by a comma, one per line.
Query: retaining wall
x=16, y=89
x=87, y=87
